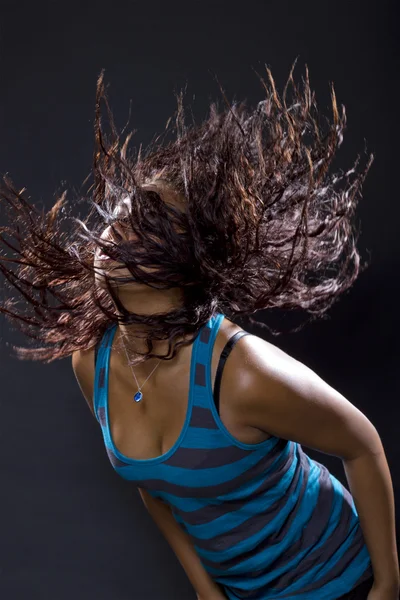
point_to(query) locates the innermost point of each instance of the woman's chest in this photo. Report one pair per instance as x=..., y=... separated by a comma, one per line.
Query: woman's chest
x=151, y=427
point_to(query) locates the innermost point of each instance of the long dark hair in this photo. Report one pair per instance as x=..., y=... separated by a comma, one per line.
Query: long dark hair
x=265, y=225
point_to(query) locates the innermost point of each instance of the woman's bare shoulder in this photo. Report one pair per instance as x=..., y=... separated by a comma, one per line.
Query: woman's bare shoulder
x=83, y=367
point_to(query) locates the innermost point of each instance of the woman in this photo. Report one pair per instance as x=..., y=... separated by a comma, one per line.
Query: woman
x=235, y=215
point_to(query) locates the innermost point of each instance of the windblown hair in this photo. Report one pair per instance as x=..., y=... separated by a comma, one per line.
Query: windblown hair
x=265, y=225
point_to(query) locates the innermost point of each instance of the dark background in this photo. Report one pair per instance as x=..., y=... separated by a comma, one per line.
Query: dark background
x=70, y=527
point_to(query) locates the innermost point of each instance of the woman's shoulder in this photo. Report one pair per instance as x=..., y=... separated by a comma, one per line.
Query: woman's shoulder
x=84, y=368
x=255, y=368
x=251, y=349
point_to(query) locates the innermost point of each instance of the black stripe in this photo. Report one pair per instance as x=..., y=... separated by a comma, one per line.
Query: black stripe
x=224, y=355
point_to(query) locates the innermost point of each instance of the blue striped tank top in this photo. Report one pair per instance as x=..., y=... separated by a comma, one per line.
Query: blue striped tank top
x=267, y=521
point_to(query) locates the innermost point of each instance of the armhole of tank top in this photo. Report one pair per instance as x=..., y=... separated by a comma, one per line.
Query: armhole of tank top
x=224, y=355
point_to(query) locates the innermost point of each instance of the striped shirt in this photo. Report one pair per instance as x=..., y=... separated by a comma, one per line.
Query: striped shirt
x=267, y=521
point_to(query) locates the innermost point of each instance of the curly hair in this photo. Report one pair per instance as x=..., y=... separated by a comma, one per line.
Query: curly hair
x=264, y=225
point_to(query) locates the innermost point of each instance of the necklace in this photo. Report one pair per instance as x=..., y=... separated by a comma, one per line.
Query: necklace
x=138, y=396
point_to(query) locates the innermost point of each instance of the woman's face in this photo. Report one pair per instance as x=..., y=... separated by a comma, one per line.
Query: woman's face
x=103, y=263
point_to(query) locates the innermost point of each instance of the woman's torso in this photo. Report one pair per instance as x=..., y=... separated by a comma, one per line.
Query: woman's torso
x=149, y=428
x=265, y=519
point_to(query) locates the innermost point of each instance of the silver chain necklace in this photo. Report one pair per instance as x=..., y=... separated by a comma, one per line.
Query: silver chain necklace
x=138, y=396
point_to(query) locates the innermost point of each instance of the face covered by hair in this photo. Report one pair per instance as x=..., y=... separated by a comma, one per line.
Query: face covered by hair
x=104, y=263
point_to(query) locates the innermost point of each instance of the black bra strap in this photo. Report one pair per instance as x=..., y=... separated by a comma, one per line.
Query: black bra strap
x=224, y=354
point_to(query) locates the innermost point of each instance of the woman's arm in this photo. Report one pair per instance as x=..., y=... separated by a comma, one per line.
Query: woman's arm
x=281, y=396
x=370, y=484
x=182, y=545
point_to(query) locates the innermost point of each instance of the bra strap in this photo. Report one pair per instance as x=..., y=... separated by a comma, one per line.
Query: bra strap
x=224, y=355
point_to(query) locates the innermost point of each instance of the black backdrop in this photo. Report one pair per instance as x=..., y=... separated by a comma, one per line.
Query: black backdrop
x=69, y=525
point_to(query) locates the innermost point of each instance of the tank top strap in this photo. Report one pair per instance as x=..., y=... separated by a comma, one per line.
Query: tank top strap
x=205, y=400
x=101, y=353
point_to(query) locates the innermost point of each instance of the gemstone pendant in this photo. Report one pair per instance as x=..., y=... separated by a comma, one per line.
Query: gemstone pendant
x=138, y=396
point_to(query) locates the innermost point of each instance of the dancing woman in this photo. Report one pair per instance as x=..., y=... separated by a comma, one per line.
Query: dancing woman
x=232, y=216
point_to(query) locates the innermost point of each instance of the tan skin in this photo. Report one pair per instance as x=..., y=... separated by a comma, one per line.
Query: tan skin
x=263, y=392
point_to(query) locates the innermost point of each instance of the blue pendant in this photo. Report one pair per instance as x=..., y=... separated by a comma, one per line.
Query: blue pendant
x=138, y=396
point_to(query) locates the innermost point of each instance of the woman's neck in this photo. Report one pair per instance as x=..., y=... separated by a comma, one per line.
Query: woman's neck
x=127, y=345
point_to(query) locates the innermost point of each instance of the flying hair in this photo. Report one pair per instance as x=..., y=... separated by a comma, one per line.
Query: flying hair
x=261, y=223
